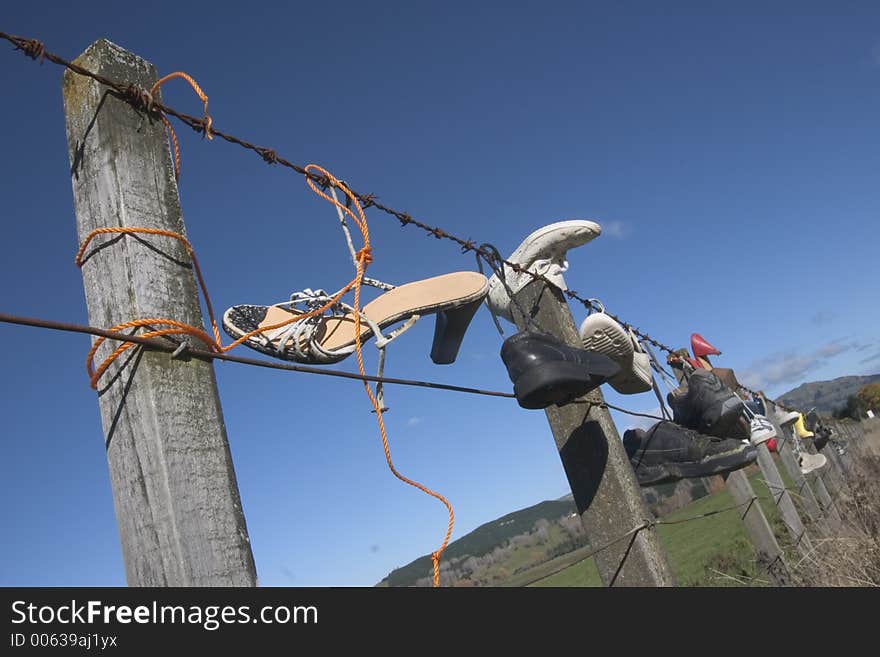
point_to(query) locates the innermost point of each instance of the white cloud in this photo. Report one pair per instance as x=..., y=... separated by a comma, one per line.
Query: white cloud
x=789, y=367
x=413, y=421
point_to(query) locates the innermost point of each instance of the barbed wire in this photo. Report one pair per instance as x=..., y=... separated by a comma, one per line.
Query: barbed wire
x=647, y=525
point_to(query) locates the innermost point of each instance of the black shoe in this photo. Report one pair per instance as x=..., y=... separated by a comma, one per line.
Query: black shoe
x=821, y=436
x=811, y=420
x=708, y=406
x=545, y=371
x=756, y=406
x=667, y=452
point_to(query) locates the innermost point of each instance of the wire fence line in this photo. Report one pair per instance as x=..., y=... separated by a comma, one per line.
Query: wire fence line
x=635, y=531
x=657, y=522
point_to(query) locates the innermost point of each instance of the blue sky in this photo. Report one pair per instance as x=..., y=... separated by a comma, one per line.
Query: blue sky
x=730, y=153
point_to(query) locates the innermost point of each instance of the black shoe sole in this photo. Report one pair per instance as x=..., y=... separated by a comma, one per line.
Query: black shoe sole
x=651, y=475
x=553, y=383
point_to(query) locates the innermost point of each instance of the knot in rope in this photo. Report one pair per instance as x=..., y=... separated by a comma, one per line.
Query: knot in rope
x=365, y=255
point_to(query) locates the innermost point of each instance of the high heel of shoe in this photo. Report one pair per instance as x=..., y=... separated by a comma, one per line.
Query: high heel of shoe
x=449, y=329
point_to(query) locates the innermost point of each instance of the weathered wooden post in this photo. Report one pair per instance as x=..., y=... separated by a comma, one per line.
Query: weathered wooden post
x=177, y=503
x=782, y=499
x=837, y=479
x=767, y=551
x=869, y=429
x=817, y=479
x=602, y=480
x=802, y=491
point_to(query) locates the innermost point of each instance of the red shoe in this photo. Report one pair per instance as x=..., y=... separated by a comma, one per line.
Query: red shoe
x=701, y=348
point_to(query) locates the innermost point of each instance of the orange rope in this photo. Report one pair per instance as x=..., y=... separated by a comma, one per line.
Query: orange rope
x=363, y=259
x=168, y=127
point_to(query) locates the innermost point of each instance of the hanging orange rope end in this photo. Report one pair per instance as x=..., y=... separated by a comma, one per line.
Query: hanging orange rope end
x=207, y=122
x=364, y=257
x=435, y=562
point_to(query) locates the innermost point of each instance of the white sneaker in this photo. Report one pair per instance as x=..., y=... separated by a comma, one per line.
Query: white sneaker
x=810, y=462
x=543, y=252
x=761, y=430
x=601, y=334
x=639, y=378
x=785, y=418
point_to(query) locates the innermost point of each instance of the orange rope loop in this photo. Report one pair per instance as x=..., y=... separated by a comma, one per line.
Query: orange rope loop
x=207, y=122
x=173, y=327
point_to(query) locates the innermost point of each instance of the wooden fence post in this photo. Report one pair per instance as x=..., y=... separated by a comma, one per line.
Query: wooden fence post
x=845, y=462
x=174, y=490
x=767, y=551
x=817, y=479
x=802, y=490
x=834, y=474
x=782, y=500
x=602, y=480
x=869, y=429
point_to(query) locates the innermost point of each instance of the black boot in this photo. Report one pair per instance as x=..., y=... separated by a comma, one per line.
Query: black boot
x=667, y=452
x=708, y=406
x=545, y=371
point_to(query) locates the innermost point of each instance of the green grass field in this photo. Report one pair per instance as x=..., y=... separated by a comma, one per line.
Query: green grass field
x=711, y=551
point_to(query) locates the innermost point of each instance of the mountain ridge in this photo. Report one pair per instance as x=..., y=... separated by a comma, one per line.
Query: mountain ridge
x=826, y=396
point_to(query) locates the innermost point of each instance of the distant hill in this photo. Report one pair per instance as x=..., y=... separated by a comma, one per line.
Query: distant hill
x=485, y=538
x=496, y=550
x=826, y=396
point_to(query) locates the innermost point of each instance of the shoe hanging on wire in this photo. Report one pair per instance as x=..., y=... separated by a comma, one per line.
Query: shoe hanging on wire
x=601, y=334
x=668, y=452
x=702, y=350
x=545, y=371
x=544, y=253
x=330, y=337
